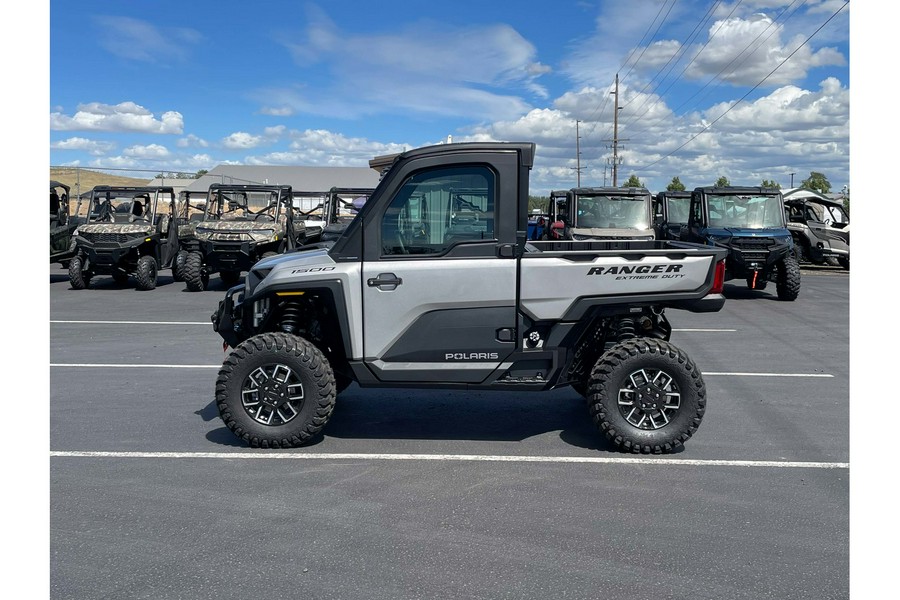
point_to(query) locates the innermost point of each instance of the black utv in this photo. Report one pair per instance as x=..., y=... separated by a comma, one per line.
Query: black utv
x=64, y=220
x=126, y=233
x=326, y=221
x=749, y=223
x=241, y=224
x=670, y=213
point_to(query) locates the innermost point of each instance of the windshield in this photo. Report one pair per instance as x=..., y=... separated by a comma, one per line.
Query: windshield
x=748, y=212
x=679, y=209
x=612, y=212
x=121, y=206
x=242, y=205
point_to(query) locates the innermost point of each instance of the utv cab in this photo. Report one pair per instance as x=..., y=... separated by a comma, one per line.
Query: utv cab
x=606, y=213
x=749, y=223
x=670, y=214
x=241, y=224
x=63, y=222
x=820, y=229
x=126, y=233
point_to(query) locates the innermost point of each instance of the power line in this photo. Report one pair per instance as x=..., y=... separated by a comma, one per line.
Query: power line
x=742, y=98
x=671, y=6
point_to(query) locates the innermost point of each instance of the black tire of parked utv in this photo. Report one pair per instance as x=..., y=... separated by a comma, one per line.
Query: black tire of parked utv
x=787, y=278
x=297, y=360
x=78, y=277
x=146, y=273
x=178, y=266
x=230, y=278
x=844, y=262
x=613, y=373
x=195, y=276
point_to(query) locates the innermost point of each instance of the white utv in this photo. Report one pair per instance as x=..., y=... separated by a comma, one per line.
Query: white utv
x=434, y=285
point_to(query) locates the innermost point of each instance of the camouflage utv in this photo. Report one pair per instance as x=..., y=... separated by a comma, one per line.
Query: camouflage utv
x=63, y=222
x=241, y=225
x=126, y=233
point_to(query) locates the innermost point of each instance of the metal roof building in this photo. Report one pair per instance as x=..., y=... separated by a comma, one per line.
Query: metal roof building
x=305, y=179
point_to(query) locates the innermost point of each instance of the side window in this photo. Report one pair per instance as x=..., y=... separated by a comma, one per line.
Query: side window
x=438, y=208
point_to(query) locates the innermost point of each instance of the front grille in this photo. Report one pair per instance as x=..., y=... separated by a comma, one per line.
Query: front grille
x=753, y=249
x=107, y=238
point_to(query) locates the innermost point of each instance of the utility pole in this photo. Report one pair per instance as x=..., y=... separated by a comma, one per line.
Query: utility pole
x=615, y=141
x=577, y=155
x=792, y=180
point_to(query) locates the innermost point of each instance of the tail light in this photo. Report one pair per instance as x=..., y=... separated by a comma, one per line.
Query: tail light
x=719, y=279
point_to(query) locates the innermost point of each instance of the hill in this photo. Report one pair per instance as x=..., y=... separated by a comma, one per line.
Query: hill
x=88, y=178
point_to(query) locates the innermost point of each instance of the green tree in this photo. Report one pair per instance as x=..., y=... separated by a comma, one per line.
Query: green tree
x=816, y=182
x=675, y=185
x=200, y=173
x=633, y=181
x=722, y=182
x=770, y=184
x=540, y=202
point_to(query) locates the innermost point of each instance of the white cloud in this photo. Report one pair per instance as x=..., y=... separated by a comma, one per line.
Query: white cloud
x=426, y=67
x=745, y=51
x=125, y=116
x=277, y=111
x=326, y=148
x=150, y=151
x=139, y=40
x=192, y=141
x=241, y=140
x=94, y=147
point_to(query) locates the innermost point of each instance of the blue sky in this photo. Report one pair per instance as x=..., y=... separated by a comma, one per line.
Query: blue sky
x=706, y=88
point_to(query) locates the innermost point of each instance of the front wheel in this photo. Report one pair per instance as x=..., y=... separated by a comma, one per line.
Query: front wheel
x=146, y=273
x=195, y=274
x=275, y=390
x=646, y=396
x=178, y=266
x=787, y=280
x=79, y=277
x=844, y=261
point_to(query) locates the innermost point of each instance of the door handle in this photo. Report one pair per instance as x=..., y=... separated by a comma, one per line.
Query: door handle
x=385, y=281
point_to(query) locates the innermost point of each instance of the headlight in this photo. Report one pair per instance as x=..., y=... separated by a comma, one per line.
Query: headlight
x=265, y=232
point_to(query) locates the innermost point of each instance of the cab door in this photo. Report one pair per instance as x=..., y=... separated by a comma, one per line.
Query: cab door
x=439, y=295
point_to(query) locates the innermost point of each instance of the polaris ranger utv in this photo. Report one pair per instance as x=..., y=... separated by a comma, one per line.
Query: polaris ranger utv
x=606, y=213
x=821, y=230
x=189, y=211
x=434, y=285
x=748, y=222
x=124, y=235
x=241, y=224
x=338, y=208
x=63, y=222
x=670, y=213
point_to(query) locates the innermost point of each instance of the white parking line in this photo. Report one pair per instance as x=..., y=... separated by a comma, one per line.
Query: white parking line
x=133, y=366
x=454, y=458
x=209, y=323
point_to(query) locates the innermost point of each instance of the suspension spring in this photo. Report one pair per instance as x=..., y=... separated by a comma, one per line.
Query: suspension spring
x=625, y=329
x=290, y=317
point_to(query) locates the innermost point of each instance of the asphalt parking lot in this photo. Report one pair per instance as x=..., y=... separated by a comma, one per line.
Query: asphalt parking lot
x=445, y=494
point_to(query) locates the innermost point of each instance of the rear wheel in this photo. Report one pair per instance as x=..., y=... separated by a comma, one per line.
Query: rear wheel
x=787, y=281
x=146, y=273
x=646, y=396
x=275, y=390
x=79, y=277
x=195, y=274
x=178, y=265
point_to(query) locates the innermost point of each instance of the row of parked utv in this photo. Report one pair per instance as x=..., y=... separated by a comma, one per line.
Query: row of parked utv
x=766, y=236
x=134, y=232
